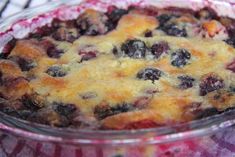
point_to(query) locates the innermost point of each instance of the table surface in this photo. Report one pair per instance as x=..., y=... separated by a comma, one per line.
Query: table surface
x=9, y=7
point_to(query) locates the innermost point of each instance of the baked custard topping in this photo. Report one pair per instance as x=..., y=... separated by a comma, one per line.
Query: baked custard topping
x=124, y=69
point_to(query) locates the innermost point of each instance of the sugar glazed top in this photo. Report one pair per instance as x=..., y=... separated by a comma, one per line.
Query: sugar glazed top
x=123, y=69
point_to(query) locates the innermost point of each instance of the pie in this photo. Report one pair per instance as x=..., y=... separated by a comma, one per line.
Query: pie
x=123, y=69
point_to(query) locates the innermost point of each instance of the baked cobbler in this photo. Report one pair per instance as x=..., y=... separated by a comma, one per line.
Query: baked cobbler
x=124, y=69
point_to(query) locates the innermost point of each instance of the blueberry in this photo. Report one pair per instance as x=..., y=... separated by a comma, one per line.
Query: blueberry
x=134, y=48
x=159, y=48
x=56, y=71
x=149, y=74
x=24, y=64
x=53, y=52
x=180, y=58
x=174, y=30
x=64, y=109
x=209, y=83
x=103, y=111
x=186, y=82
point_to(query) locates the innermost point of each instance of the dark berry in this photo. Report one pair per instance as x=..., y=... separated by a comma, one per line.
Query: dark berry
x=115, y=51
x=174, y=30
x=231, y=41
x=149, y=74
x=64, y=109
x=3, y=55
x=148, y=34
x=114, y=14
x=232, y=88
x=209, y=83
x=103, y=111
x=159, y=48
x=32, y=102
x=49, y=116
x=134, y=48
x=207, y=113
x=56, y=71
x=24, y=64
x=63, y=34
x=163, y=19
x=41, y=32
x=53, y=52
x=180, y=58
x=186, y=82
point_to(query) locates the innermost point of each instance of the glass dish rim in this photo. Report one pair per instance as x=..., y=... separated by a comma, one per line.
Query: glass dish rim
x=105, y=137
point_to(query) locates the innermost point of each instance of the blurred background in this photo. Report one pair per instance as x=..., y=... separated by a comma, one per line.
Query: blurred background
x=9, y=7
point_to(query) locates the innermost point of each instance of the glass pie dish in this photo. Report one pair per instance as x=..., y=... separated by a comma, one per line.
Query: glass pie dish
x=212, y=136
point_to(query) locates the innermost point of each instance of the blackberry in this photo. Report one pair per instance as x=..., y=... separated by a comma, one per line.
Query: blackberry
x=231, y=41
x=209, y=83
x=159, y=48
x=103, y=111
x=24, y=64
x=134, y=48
x=163, y=19
x=174, y=30
x=32, y=102
x=149, y=74
x=180, y=58
x=114, y=14
x=186, y=82
x=64, y=109
x=148, y=34
x=53, y=52
x=56, y=71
